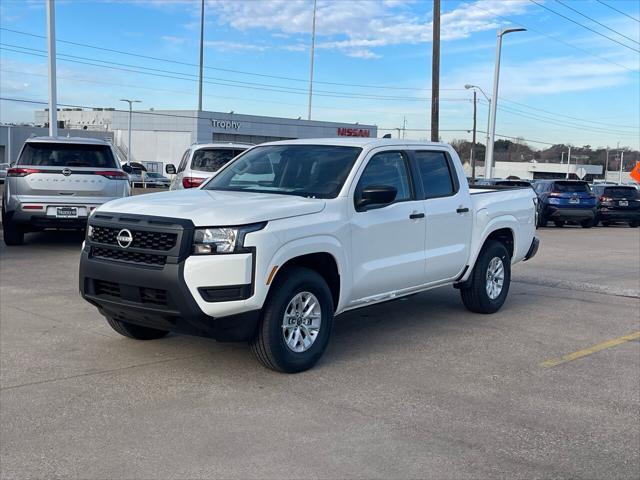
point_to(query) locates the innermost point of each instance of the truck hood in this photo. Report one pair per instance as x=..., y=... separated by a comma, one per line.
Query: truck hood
x=213, y=208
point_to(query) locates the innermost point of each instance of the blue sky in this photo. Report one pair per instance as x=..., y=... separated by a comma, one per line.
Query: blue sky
x=560, y=82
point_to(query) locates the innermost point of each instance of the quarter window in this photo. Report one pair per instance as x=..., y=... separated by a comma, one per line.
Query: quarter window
x=435, y=173
x=388, y=169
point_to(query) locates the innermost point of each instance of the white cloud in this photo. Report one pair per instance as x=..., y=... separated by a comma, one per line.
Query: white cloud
x=226, y=46
x=357, y=27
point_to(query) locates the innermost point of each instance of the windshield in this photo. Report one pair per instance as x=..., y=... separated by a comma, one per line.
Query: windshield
x=571, y=187
x=213, y=159
x=67, y=155
x=306, y=170
x=624, y=192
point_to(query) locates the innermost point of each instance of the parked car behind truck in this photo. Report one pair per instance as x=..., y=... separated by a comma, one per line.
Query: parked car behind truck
x=618, y=203
x=290, y=234
x=562, y=201
x=200, y=161
x=57, y=182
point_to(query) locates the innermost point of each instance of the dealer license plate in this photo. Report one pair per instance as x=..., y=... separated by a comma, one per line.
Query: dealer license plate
x=624, y=203
x=67, y=212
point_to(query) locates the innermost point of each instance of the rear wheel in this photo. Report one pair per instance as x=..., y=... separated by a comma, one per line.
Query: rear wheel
x=587, y=223
x=297, y=320
x=12, y=233
x=558, y=223
x=488, y=285
x=606, y=224
x=138, y=332
x=634, y=224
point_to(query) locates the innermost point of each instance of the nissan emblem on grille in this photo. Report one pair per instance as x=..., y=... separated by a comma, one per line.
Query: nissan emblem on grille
x=124, y=238
x=66, y=172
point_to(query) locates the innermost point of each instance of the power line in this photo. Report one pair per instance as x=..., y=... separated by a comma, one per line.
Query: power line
x=172, y=74
x=160, y=59
x=584, y=26
x=555, y=39
x=619, y=11
x=596, y=21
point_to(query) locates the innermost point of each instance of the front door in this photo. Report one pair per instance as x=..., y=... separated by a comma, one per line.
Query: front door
x=387, y=240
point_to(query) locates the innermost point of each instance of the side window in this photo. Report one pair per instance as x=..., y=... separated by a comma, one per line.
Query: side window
x=388, y=169
x=183, y=161
x=436, y=176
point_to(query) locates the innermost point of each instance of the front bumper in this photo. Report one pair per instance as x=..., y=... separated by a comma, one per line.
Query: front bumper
x=574, y=214
x=156, y=298
x=533, y=249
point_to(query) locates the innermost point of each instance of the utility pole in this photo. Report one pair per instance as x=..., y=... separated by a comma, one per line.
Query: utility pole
x=621, y=166
x=473, y=140
x=201, y=56
x=568, y=161
x=562, y=158
x=435, y=74
x=404, y=127
x=313, y=47
x=606, y=165
x=51, y=37
x=130, y=102
x=488, y=162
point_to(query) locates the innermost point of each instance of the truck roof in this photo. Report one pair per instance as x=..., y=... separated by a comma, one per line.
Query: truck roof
x=357, y=142
x=74, y=140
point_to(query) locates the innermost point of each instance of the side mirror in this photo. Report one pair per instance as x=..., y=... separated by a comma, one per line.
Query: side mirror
x=376, y=195
x=127, y=168
x=170, y=168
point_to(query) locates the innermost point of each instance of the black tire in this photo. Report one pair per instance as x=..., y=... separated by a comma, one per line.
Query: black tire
x=587, y=223
x=634, y=224
x=269, y=345
x=135, y=331
x=474, y=294
x=606, y=224
x=558, y=223
x=12, y=233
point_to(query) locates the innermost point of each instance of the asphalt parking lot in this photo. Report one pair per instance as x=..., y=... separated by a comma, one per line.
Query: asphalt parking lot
x=417, y=388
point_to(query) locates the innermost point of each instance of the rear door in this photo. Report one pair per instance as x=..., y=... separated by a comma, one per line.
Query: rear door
x=448, y=214
x=67, y=170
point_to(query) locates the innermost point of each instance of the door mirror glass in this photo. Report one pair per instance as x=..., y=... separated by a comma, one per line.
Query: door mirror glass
x=170, y=169
x=127, y=168
x=379, y=195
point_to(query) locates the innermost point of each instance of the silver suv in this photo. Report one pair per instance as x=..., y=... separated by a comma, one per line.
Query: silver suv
x=57, y=182
x=201, y=161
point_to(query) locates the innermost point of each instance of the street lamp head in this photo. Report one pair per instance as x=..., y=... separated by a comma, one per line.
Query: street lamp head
x=468, y=86
x=511, y=30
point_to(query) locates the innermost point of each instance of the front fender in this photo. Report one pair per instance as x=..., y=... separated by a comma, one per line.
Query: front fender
x=305, y=246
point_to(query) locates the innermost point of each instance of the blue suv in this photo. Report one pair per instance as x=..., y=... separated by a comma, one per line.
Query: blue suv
x=562, y=201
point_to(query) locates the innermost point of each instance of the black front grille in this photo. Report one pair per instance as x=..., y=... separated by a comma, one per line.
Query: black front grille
x=162, y=241
x=128, y=256
x=102, y=287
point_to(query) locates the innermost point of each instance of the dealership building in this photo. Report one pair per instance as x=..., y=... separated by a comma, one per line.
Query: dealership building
x=160, y=137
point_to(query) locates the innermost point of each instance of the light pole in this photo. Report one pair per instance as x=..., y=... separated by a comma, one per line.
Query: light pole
x=51, y=36
x=313, y=47
x=488, y=163
x=475, y=87
x=130, y=102
x=201, y=58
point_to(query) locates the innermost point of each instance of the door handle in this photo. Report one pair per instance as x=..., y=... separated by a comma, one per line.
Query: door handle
x=462, y=210
x=414, y=216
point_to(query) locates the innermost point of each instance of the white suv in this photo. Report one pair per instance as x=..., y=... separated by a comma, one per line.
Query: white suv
x=200, y=161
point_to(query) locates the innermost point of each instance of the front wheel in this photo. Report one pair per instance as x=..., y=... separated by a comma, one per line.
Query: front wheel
x=137, y=332
x=12, y=233
x=296, y=322
x=488, y=285
x=558, y=223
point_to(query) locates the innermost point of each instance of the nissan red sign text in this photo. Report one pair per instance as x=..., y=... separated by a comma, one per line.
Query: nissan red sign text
x=353, y=132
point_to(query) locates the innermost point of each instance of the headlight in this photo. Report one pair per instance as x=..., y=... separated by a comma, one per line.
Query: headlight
x=207, y=241
x=89, y=231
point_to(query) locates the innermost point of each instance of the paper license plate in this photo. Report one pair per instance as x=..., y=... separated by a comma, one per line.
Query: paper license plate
x=67, y=212
x=624, y=203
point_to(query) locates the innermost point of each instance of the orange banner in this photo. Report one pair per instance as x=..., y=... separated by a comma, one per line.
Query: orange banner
x=635, y=173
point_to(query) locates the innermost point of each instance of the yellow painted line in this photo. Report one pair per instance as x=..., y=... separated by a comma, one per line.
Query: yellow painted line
x=588, y=351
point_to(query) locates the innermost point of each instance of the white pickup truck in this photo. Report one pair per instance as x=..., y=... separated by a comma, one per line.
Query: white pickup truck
x=290, y=234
